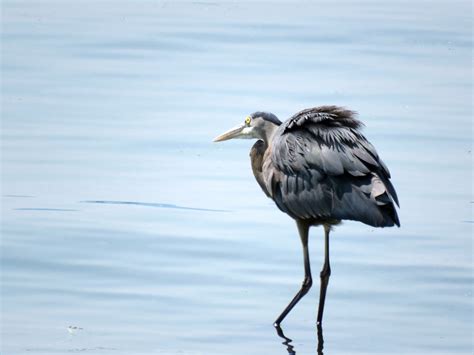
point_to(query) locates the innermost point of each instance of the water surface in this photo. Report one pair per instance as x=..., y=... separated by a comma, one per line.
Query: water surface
x=120, y=217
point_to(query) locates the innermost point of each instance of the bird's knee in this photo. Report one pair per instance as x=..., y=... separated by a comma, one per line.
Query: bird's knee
x=307, y=283
x=325, y=272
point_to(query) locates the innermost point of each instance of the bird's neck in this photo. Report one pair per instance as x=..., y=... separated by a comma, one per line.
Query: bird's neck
x=257, y=154
x=268, y=133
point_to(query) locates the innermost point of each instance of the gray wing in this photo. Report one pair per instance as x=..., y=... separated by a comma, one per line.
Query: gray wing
x=321, y=167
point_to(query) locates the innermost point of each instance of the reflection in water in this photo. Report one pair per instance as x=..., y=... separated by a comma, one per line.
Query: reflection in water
x=291, y=349
x=320, y=339
x=45, y=209
x=20, y=196
x=148, y=204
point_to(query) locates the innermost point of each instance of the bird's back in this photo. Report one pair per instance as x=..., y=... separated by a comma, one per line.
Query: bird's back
x=320, y=167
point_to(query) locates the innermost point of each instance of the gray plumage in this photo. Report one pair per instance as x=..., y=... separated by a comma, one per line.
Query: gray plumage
x=319, y=169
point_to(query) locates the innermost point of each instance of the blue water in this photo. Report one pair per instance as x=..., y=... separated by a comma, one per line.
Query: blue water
x=121, y=217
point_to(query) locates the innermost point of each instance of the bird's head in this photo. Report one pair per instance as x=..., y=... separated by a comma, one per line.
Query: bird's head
x=258, y=125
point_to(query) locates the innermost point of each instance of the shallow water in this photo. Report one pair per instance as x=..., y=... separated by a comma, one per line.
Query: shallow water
x=120, y=217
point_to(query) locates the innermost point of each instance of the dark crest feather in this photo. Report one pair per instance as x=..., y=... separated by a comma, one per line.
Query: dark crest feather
x=267, y=116
x=333, y=116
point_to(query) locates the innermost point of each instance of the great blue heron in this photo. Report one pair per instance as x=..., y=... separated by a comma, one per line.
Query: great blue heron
x=319, y=169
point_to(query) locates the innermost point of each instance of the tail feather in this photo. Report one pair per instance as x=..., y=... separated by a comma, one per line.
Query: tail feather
x=364, y=199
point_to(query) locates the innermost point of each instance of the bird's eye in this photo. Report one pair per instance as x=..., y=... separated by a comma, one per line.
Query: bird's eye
x=247, y=121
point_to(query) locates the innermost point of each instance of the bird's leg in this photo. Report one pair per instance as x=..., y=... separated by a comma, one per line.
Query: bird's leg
x=303, y=229
x=325, y=273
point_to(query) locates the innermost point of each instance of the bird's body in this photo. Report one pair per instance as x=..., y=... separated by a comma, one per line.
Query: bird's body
x=319, y=169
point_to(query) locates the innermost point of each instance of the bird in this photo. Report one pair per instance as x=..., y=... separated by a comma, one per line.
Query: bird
x=319, y=169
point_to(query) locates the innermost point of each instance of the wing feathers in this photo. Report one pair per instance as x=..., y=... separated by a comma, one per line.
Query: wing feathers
x=323, y=167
